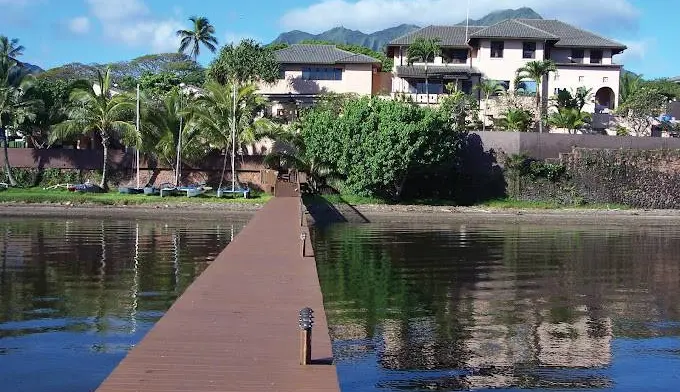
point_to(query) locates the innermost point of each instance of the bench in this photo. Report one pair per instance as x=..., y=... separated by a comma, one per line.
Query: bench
x=245, y=192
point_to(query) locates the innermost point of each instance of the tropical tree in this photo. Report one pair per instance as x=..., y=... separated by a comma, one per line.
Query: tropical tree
x=94, y=108
x=15, y=106
x=10, y=50
x=202, y=34
x=424, y=50
x=642, y=107
x=537, y=71
x=517, y=120
x=213, y=112
x=163, y=127
x=240, y=66
x=629, y=84
x=488, y=88
x=571, y=119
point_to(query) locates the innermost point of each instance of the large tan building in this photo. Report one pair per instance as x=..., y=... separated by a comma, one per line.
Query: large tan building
x=308, y=71
x=495, y=52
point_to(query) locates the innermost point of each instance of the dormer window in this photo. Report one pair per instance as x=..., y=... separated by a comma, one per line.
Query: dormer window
x=577, y=56
x=595, y=57
x=529, y=50
x=497, y=48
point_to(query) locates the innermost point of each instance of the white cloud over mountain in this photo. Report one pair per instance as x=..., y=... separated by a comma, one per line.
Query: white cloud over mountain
x=130, y=22
x=373, y=15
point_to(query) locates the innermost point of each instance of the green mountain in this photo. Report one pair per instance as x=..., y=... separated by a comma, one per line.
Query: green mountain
x=341, y=35
x=501, y=15
x=379, y=39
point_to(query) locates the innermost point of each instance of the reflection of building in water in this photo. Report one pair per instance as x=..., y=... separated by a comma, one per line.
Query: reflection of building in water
x=582, y=343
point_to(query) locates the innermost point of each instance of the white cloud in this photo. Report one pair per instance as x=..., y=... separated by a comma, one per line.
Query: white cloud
x=373, y=15
x=636, y=51
x=130, y=22
x=79, y=25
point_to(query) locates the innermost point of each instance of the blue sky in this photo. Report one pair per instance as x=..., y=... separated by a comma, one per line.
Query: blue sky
x=56, y=32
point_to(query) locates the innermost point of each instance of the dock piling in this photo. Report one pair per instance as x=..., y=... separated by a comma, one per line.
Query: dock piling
x=306, y=323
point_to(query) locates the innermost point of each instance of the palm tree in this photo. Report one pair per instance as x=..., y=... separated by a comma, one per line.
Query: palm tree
x=569, y=118
x=202, y=34
x=517, y=120
x=630, y=83
x=15, y=106
x=424, y=50
x=488, y=87
x=10, y=50
x=94, y=108
x=161, y=130
x=214, y=113
x=537, y=71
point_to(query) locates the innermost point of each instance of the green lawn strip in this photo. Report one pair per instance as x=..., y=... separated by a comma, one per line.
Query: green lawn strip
x=39, y=195
x=500, y=203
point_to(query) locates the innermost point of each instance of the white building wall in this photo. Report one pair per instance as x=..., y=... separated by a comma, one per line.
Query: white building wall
x=595, y=78
x=504, y=68
x=356, y=78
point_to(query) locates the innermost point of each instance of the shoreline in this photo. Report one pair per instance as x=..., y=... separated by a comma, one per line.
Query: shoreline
x=372, y=212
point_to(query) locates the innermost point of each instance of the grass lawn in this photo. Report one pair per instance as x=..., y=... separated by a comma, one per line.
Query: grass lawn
x=500, y=203
x=40, y=195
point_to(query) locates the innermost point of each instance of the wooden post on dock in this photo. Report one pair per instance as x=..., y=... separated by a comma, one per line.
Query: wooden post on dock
x=306, y=324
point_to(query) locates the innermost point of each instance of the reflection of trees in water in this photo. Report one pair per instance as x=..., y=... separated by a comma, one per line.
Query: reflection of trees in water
x=104, y=276
x=496, y=298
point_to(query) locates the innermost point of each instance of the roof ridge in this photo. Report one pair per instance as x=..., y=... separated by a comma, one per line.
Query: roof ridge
x=300, y=44
x=586, y=31
x=533, y=27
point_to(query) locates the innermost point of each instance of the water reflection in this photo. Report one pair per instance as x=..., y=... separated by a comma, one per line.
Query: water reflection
x=76, y=295
x=455, y=307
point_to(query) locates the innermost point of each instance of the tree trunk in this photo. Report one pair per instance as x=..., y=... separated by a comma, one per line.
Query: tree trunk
x=224, y=169
x=539, y=108
x=8, y=168
x=105, y=183
x=486, y=106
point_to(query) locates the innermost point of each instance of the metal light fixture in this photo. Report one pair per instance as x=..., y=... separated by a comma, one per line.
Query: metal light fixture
x=306, y=322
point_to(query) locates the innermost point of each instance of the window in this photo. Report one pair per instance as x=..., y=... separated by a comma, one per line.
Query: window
x=505, y=84
x=605, y=80
x=577, y=55
x=321, y=73
x=595, y=57
x=432, y=88
x=529, y=50
x=581, y=78
x=455, y=56
x=497, y=48
x=282, y=73
x=467, y=86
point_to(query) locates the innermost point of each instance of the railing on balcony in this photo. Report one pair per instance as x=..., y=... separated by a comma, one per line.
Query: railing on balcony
x=421, y=98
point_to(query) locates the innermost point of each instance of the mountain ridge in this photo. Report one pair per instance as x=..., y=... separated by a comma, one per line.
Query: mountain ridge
x=378, y=39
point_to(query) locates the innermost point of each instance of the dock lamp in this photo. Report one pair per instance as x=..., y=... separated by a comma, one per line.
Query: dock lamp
x=306, y=321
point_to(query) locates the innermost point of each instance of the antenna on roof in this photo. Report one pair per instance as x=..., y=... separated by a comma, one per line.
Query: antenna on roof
x=467, y=24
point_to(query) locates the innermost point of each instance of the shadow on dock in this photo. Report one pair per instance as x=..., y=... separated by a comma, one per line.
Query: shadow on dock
x=323, y=213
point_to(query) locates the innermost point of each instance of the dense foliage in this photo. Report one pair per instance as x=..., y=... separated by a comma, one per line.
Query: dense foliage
x=377, y=145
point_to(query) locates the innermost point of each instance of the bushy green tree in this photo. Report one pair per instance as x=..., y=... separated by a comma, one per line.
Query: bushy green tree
x=641, y=107
x=516, y=120
x=376, y=145
x=570, y=119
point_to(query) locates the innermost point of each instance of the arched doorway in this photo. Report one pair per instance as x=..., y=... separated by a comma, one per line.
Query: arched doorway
x=605, y=98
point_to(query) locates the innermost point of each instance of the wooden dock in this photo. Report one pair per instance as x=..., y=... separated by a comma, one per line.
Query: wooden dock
x=236, y=327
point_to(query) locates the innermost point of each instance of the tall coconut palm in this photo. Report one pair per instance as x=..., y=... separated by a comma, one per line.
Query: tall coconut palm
x=488, y=87
x=15, y=106
x=424, y=50
x=570, y=119
x=201, y=34
x=10, y=50
x=95, y=108
x=537, y=71
x=214, y=113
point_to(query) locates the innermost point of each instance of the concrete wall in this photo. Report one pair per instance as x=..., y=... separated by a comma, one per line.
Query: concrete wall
x=356, y=78
x=550, y=145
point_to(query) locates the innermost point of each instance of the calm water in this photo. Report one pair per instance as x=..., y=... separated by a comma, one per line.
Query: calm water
x=76, y=295
x=455, y=307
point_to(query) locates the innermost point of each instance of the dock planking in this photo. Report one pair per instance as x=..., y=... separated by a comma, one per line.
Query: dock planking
x=236, y=327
